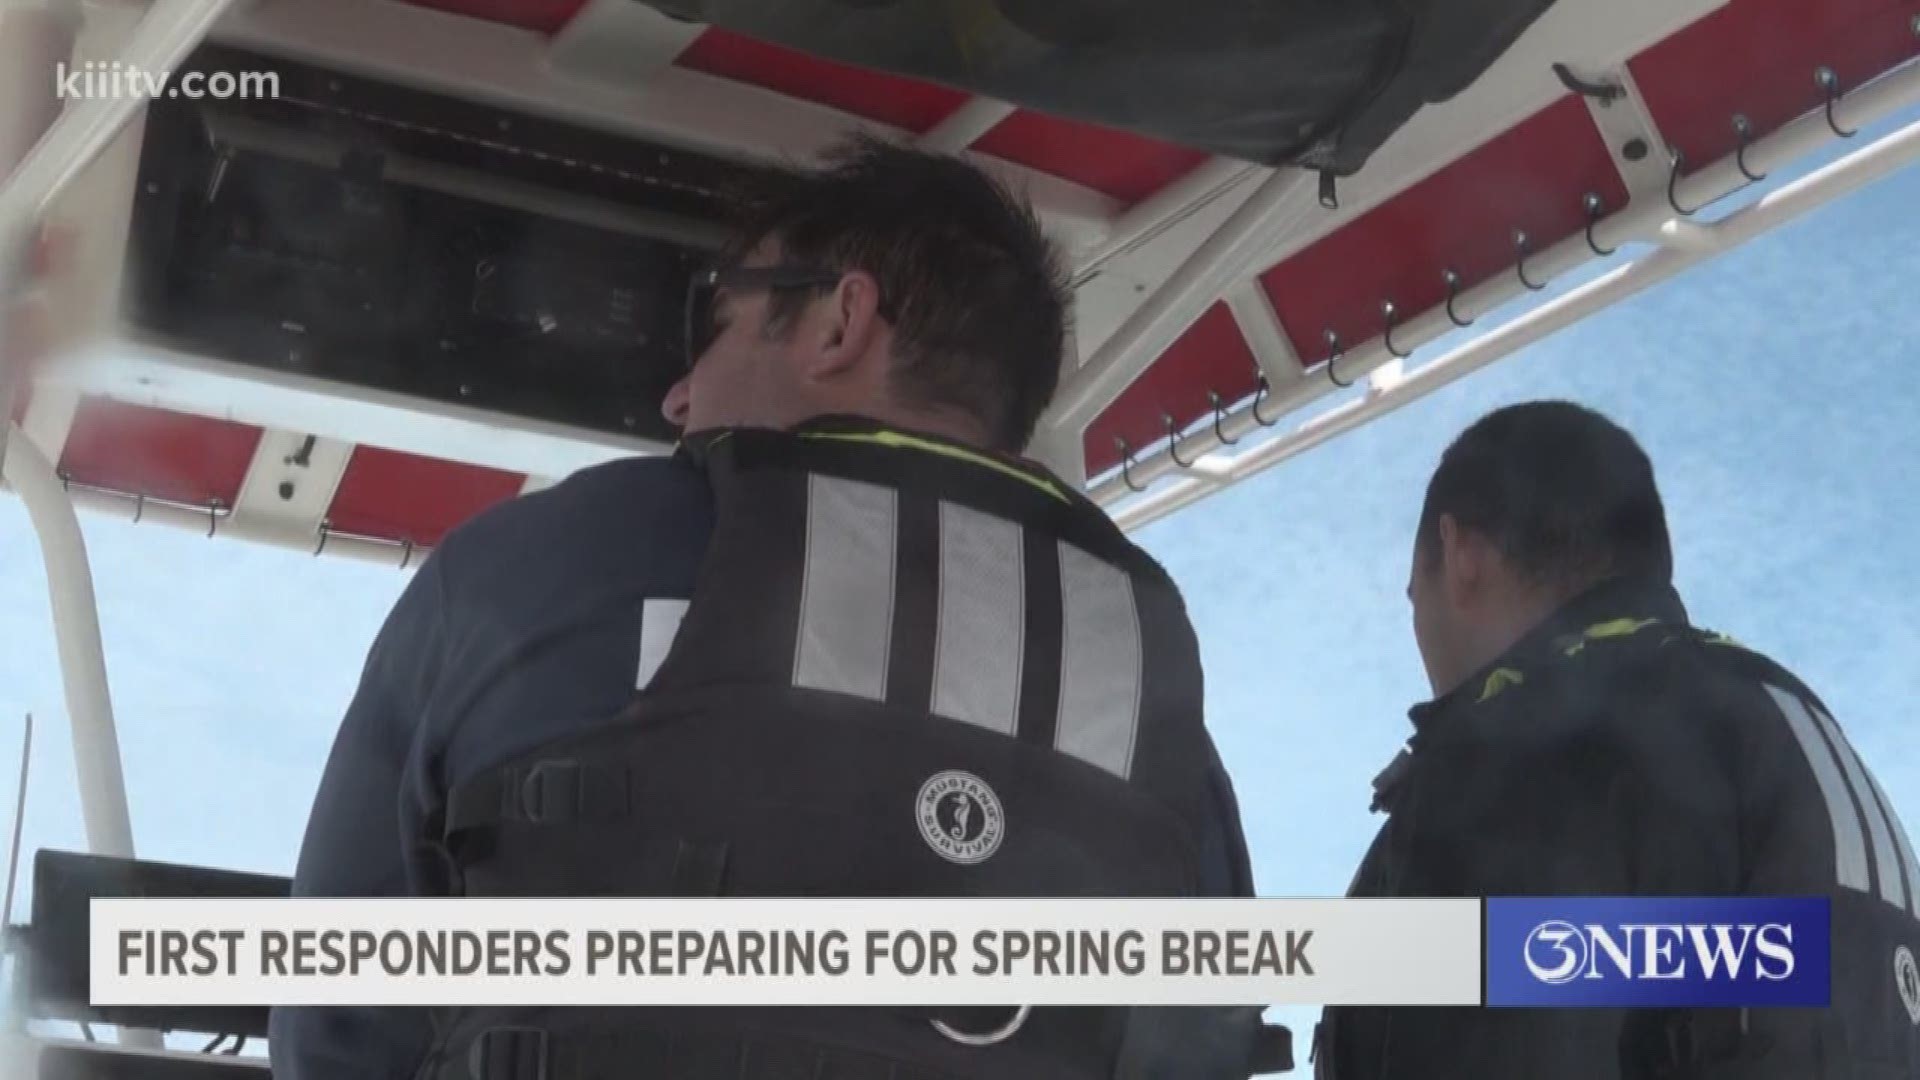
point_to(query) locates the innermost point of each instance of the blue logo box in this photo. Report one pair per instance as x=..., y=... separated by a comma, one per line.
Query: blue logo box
x=1665, y=952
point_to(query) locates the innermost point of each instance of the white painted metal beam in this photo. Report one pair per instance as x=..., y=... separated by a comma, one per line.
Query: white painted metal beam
x=1273, y=351
x=1144, y=222
x=1241, y=243
x=169, y=31
x=965, y=127
x=619, y=43
x=143, y=372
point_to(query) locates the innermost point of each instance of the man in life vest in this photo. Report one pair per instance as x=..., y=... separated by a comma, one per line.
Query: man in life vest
x=1587, y=740
x=847, y=642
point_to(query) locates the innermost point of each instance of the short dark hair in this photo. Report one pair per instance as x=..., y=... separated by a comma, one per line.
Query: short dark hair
x=1566, y=495
x=976, y=293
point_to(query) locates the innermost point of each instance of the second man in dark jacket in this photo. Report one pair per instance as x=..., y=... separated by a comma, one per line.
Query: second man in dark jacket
x=1587, y=740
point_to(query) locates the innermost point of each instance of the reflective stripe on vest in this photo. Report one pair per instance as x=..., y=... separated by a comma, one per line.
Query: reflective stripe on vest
x=849, y=604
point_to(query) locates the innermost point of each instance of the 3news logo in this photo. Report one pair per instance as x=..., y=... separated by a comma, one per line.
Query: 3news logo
x=1634, y=952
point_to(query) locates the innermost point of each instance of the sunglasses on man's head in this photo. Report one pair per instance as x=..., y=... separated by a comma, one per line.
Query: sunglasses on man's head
x=707, y=284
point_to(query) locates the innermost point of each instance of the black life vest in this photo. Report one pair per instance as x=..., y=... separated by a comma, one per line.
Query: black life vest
x=906, y=670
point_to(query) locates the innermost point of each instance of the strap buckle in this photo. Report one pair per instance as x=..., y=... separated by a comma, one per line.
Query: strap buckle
x=985, y=1038
x=508, y=1053
x=551, y=792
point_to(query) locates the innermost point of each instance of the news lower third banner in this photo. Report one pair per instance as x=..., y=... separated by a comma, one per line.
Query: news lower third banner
x=619, y=952
x=1561, y=952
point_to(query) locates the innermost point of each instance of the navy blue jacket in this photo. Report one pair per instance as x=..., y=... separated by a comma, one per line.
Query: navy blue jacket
x=524, y=626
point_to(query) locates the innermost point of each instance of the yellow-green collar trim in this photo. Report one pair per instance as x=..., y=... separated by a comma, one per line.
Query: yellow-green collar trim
x=1612, y=629
x=1497, y=680
x=1500, y=679
x=901, y=440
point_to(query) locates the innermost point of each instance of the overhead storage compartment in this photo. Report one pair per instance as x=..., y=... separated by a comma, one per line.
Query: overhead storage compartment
x=367, y=233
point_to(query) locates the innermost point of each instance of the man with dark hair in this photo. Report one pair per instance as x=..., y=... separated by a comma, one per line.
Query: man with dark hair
x=971, y=300
x=1533, y=505
x=1586, y=740
x=846, y=642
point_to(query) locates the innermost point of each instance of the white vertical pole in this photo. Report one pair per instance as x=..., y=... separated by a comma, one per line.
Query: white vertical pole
x=76, y=627
x=52, y=155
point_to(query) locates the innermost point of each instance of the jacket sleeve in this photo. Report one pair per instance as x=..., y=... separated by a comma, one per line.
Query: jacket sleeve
x=352, y=846
x=1227, y=866
x=1205, y=1043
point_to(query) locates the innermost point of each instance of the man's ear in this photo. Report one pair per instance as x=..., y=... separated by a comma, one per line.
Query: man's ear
x=1467, y=563
x=846, y=326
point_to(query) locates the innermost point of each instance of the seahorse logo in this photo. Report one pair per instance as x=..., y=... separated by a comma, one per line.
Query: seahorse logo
x=1906, y=976
x=960, y=817
x=962, y=810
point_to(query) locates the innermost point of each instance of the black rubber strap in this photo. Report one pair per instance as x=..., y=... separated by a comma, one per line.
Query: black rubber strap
x=550, y=792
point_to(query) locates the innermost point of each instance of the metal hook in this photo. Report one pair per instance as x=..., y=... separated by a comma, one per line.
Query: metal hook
x=215, y=508
x=1126, y=462
x=1596, y=209
x=1259, y=396
x=1453, y=293
x=986, y=1038
x=1604, y=93
x=1219, y=414
x=1673, y=184
x=1829, y=81
x=325, y=530
x=1333, y=359
x=1522, y=248
x=1173, y=442
x=1743, y=129
x=1388, y=314
x=1329, y=191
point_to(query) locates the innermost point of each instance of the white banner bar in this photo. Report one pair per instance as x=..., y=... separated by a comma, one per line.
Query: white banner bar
x=785, y=952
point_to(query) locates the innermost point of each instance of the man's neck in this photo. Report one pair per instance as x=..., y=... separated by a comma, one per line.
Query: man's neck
x=1526, y=612
x=944, y=425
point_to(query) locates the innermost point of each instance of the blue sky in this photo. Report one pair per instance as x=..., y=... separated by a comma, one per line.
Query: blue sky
x=1776, y=390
